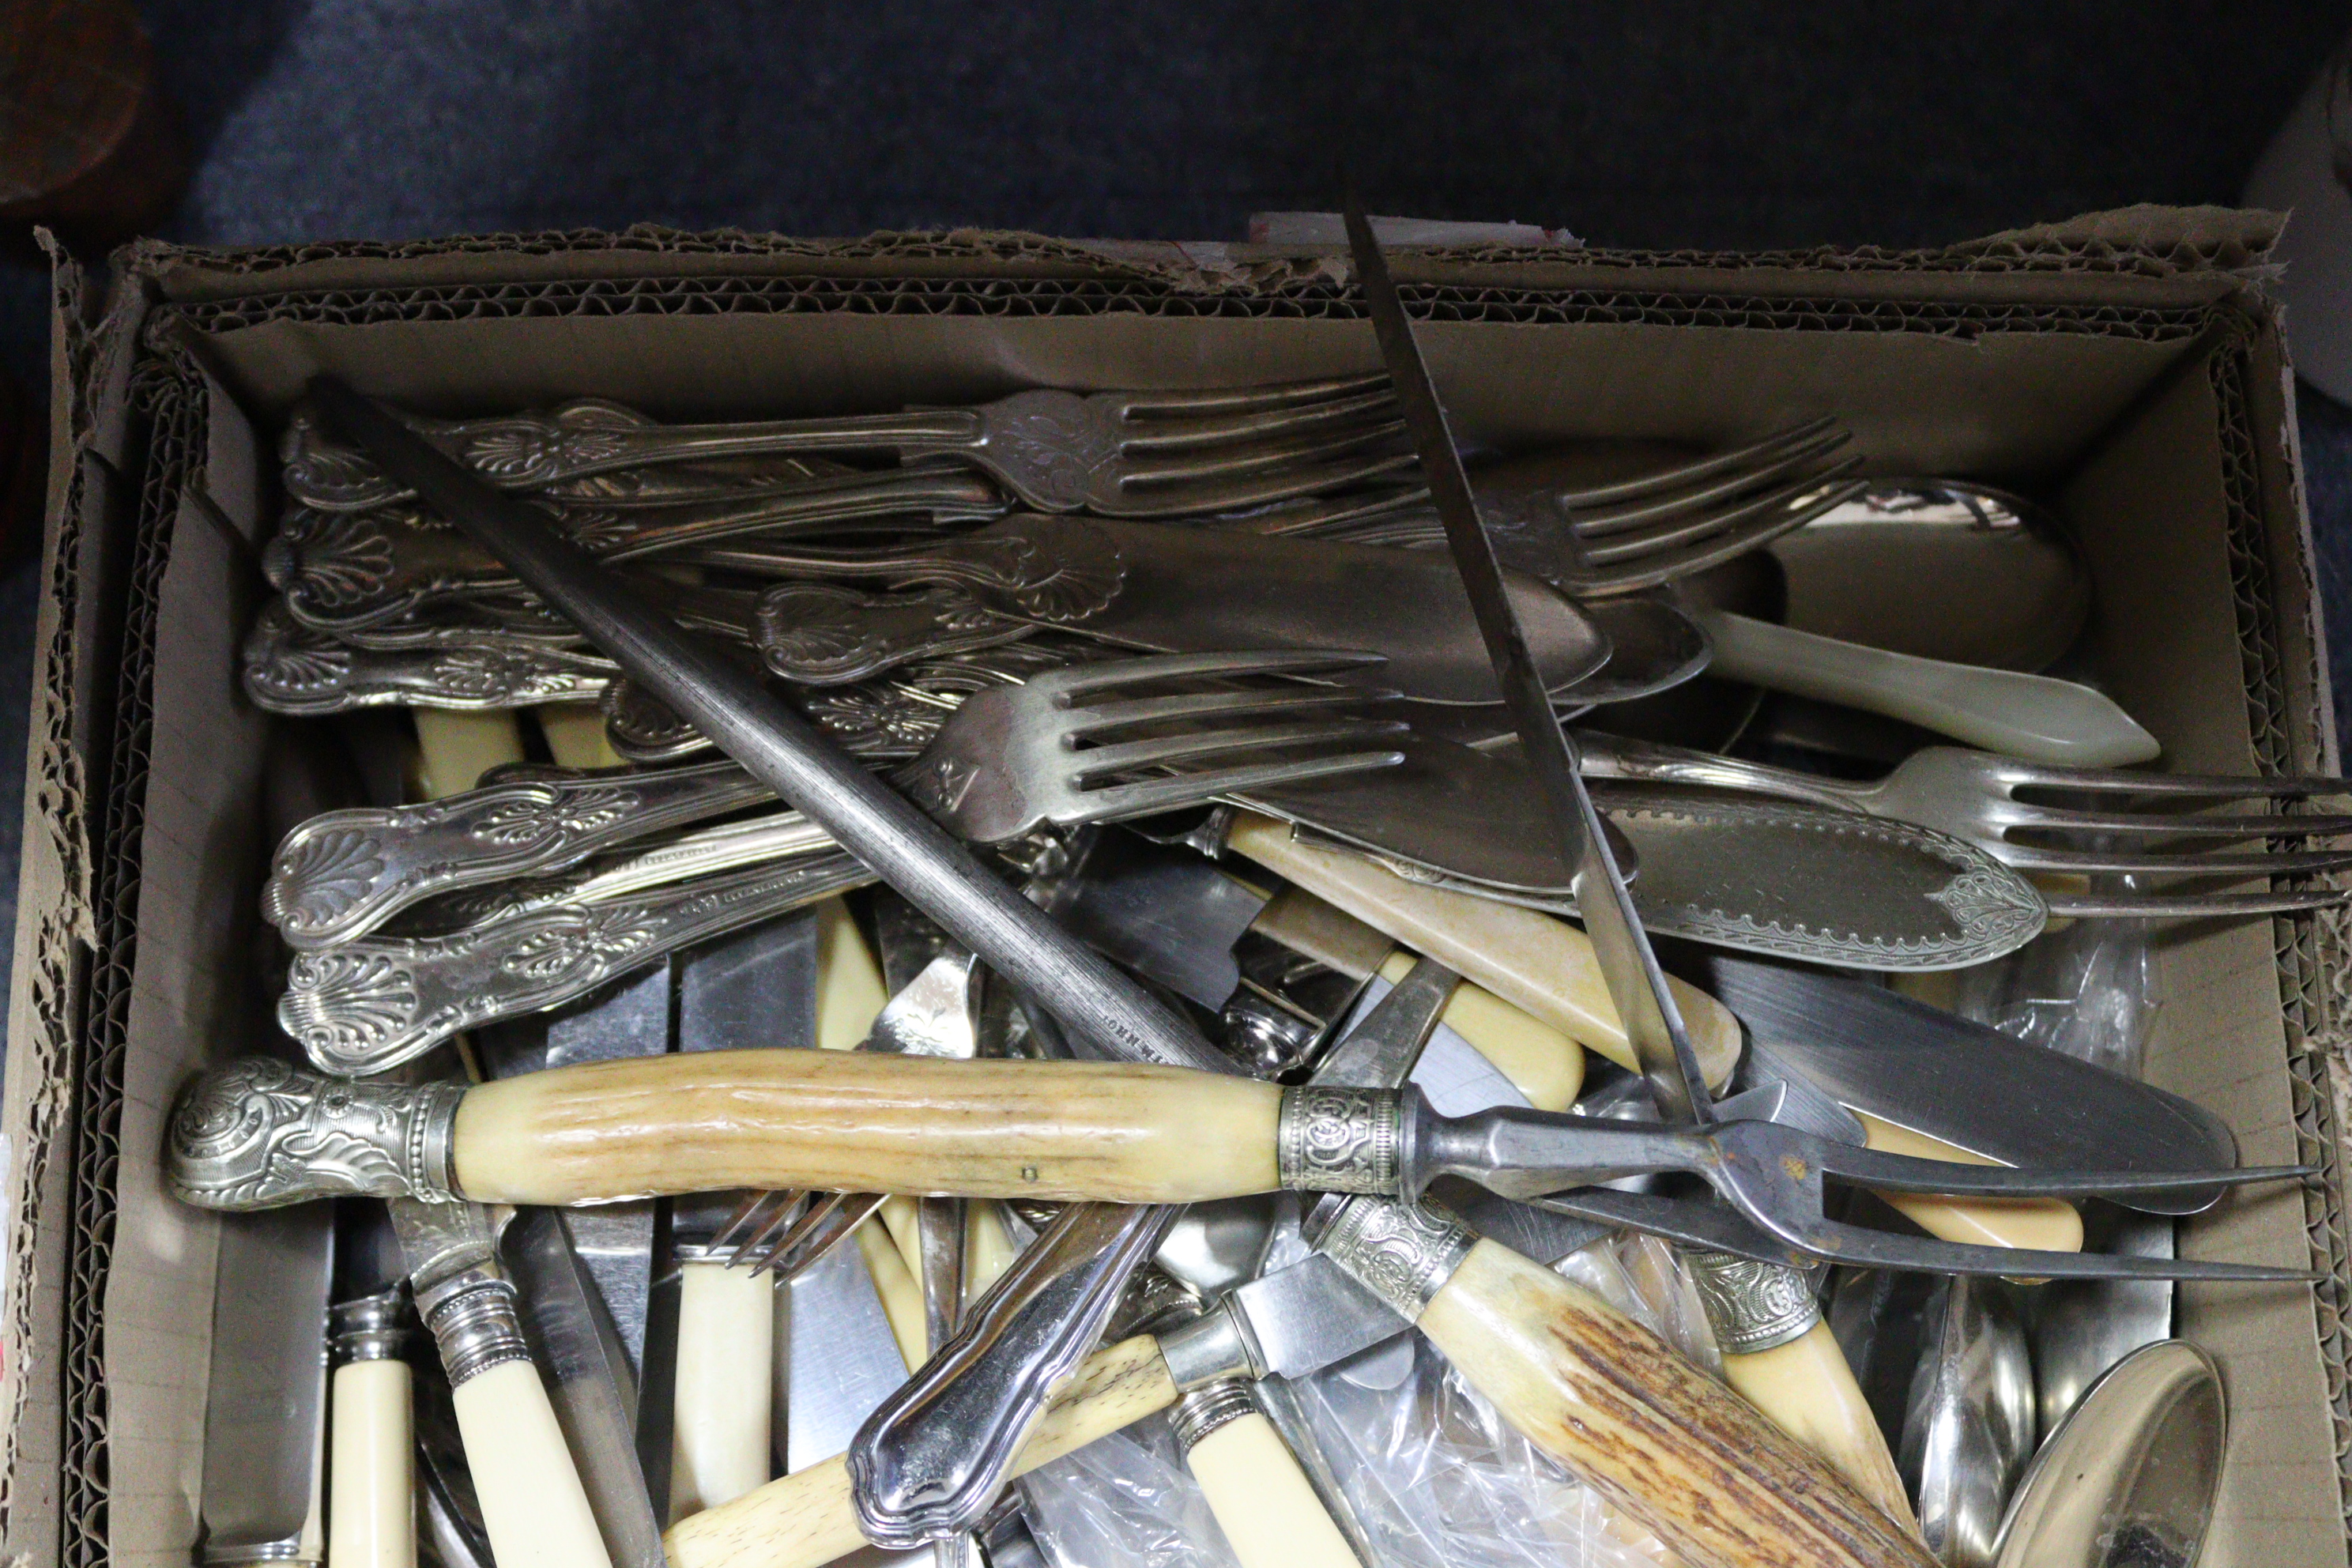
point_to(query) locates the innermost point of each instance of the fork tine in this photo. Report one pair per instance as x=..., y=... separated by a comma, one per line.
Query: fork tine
x=1078, y=680
x=2193, y=906
x=1591, y=524
x=2284, y=863
x=746, y=1214
x=1100, y=718
x=1196, y=434
x=1257, y=456
x=1247, y=399
x=1211, y=495
x=1700, y=467
x=1904, y=1173
x=2168, y=825
x=1146, y=796
x=1839, y=1242
x=1651, y=570
x=1795, y=504
x=1128, y=756
x=811, y=1248
x=2125, y=781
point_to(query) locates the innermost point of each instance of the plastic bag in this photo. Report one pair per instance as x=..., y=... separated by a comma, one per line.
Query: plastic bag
x=1438, y=1479
x=2088, y=989
x=1124, y=1501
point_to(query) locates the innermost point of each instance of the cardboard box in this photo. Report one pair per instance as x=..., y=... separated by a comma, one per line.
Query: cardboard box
x=2126, y=367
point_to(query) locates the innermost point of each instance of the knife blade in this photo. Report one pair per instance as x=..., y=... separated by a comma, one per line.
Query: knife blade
x=757, y=989
x=534, y=1506
x=265, y=1412
x=588, y=1380
x=1886, y=1056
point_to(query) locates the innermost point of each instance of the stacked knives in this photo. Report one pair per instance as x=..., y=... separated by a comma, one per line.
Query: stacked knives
x=858, y=957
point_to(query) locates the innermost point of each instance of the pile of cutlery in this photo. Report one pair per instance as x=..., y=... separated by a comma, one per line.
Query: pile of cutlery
x=1014, y=848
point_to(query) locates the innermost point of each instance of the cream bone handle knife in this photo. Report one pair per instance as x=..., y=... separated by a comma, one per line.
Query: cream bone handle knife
x=258, y=1133
x=1608, y=1398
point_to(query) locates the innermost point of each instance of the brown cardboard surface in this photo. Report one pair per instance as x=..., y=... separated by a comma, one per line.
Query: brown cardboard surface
x=2118, y=361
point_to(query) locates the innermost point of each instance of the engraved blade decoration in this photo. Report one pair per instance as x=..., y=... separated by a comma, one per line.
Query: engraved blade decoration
x=1636, y=985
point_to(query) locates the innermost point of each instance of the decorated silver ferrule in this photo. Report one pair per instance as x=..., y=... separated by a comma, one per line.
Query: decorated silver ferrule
x=259, y=1134
x=1202, y=1410
x=373, y=1328
x=1339, y=1139
x=1401, y=1252
x=1752, y=1306
x=471, y=1314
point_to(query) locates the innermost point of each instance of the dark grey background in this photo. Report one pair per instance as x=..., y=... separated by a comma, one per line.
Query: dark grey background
x=1634, y=122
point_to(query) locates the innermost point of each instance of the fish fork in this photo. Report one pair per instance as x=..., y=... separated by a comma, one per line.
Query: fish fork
x=1616, y=537
x=1124, y=454
x=1974, y=795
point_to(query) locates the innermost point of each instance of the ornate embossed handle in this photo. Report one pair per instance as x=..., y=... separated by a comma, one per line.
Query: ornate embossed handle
x=368, y=1005
x=816, y=633
x=342, y=874
x=343, y=570
x=291, y=669
x=1052, y=569
x=531, y=451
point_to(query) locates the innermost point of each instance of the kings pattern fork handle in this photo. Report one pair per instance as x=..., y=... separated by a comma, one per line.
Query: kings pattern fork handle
x=1133, y=454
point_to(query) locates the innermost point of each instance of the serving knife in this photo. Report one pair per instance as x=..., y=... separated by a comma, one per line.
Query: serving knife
x=371, y=1441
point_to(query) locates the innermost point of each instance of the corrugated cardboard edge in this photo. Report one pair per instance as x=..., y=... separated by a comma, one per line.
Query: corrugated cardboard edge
x=91, y=365
x=2155, y=245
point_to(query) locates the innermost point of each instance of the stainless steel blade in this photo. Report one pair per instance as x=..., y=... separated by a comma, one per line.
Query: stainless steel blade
x=589, y=1382
x=1636, y=983
x=1170, y=919
x=1871, y=1050
x=265, y=1406
x=843, y=1360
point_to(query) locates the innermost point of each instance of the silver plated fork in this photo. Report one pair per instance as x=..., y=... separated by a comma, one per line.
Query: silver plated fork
x=1975, y=795
x=1655, y=528
x=1124, y=454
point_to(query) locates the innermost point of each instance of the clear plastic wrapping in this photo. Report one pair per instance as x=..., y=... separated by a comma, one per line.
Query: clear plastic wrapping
x=1124, y=1501
x=2088, y=989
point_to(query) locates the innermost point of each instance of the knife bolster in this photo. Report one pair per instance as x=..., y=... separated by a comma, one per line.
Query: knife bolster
x=1402, y=1252
x=472, y=1316
x=1339, y=1139
x=1216, y=1347
x=259, y=1134
x=1752, y=1306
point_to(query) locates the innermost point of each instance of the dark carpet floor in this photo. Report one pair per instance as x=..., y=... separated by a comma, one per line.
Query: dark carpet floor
x=1644, y=123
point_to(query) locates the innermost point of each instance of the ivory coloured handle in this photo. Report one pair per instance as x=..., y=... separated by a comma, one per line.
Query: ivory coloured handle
x=456, y=749
x=533, y=1508
x=1542, y=1063
x=899, y=1292
x=373, y=1467
x=1806, y=1389
x=2034, y=717
x=1269, y=1514
x=2045, y=1224
x=576, y=736
x=850, y=993
x=1543, y=966
x=1719, y=1485
x=988, y=1250
x=724, y=1395
x=806, y=1518
x=851, y=1121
